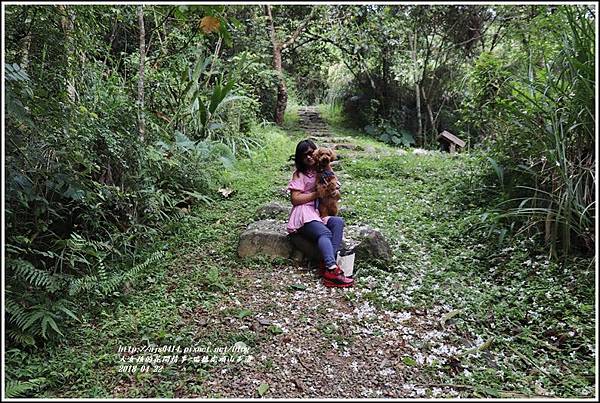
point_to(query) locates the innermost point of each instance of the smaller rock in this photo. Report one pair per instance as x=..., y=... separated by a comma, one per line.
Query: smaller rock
x=273, y=210
x=307, y=248
x=347, y=146
x=368, y=243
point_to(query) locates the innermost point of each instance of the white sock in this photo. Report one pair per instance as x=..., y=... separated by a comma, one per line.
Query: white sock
x=332, y=267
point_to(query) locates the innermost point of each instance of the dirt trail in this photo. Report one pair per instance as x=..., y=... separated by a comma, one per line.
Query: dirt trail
x=320, y=342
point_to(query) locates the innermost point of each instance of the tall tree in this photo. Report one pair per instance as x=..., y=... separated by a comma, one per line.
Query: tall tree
x=140, y=98
x=66, y=22
x=278, y=48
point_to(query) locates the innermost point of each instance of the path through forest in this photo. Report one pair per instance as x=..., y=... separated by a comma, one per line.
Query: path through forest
x=319, y=342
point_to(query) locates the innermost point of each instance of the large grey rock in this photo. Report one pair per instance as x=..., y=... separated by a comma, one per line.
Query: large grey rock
x=270, y=237
x=265, y=237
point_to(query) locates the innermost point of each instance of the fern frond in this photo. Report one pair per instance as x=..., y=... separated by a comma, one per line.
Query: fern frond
x=134, y=271
x=20, y=337
x=85, y=283
x=17, y=313
x=35, y=277
x=16, y=388
x=106, y=283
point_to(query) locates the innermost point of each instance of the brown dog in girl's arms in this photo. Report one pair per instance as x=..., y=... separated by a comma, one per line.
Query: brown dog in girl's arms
x=327, y=183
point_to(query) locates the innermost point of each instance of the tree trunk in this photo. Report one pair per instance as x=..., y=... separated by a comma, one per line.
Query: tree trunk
x=140, y=100
x=430, y=112
x=417, y=87
x=26, y=45
x=278, y=47
x=282, y=94
x=66, y=22
x=419, y=117
x=385, y=73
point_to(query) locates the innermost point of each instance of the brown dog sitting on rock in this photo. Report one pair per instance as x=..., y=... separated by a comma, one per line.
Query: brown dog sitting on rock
x=327, y=183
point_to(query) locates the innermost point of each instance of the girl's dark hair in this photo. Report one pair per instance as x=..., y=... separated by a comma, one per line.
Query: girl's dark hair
x=301, y=149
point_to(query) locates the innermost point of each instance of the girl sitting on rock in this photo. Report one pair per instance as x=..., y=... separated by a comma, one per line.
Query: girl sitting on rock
x=304, y=218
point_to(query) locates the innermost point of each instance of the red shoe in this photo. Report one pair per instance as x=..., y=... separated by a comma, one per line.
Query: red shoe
x=336, y=278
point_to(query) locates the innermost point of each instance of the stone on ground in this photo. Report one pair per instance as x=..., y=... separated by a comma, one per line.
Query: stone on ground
x=265, y=237
x=273, y=210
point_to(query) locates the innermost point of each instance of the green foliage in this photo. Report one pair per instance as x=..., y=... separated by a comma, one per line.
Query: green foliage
x=84, y=192
x=545, y=150
x=105, y=284
x=258, y=82
x=88, y=200
x=40, y=313
x=339, y=80
x=424, y=205
x=488, y=87
x=37, y=319
x=388, y=134
x=14, y=389
x=17, y=86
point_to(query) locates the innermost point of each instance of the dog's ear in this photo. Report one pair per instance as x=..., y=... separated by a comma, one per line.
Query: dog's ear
x=333, y=155
x=316, y=154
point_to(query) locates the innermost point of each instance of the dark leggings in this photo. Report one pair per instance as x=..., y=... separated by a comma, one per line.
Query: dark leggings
x=328, y=237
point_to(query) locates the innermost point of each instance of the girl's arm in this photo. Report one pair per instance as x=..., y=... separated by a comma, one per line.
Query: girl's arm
x=300, y=198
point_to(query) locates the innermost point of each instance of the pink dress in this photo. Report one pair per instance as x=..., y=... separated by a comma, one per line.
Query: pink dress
x=303, y=213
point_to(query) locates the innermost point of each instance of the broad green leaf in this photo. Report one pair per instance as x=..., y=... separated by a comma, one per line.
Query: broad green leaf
x=243, y=313
x=68, y=312
x=409, y=361
x=486, y=345
x=275, y=329
x=203, y=113
x=263, y=388
x=299, y=287
x=407, y=137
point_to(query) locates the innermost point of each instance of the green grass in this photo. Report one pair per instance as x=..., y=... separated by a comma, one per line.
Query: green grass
x=291, y=118
x=539, y=313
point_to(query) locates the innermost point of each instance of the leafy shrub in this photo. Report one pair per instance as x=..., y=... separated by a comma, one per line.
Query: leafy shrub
x=258, y=82
x=487, y=88
x=83, y=195
x=388, y=134
x=545, y=146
